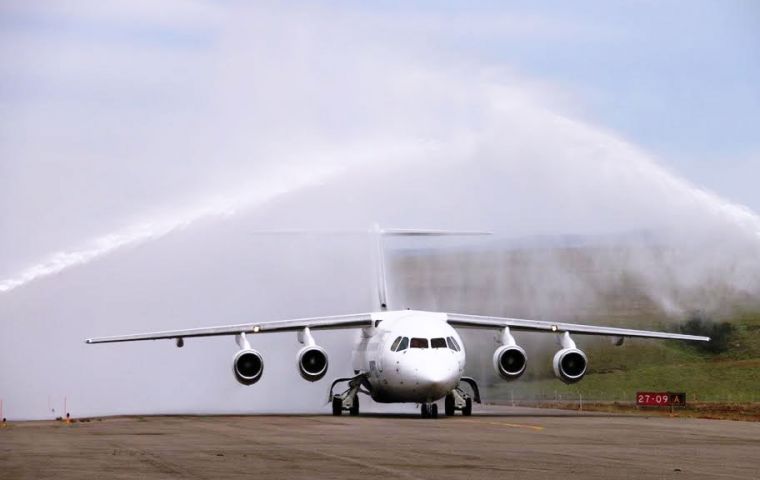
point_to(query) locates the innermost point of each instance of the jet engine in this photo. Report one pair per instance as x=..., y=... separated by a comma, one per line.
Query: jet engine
x=248, y=366
x=312, y=362
x=570, y=365
x=510, y=361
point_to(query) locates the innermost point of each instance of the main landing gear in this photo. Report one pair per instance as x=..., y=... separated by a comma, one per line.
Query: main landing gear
x=460, y=400
x=349, y=399
x=456, y=400
x=339, y=404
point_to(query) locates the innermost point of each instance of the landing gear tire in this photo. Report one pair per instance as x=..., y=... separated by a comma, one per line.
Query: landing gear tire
x=449, y=406
x=467, y=410
x=354, y=410
x=337, y=406
x=429, y=410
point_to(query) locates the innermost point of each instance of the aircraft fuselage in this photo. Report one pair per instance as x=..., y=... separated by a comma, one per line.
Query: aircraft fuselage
x=410, y=356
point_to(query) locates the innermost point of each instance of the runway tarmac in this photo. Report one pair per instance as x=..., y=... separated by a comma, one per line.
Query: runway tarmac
x=496, y=442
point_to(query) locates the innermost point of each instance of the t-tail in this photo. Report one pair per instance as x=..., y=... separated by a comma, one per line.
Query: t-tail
x=378, y=234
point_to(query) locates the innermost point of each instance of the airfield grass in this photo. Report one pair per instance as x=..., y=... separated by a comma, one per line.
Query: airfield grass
x=724, y=381
x=617, y=373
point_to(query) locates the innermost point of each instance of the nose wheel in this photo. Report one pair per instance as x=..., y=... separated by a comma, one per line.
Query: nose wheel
x=429, y=410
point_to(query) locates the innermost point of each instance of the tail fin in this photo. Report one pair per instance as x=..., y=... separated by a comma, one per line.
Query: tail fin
x=379, y=251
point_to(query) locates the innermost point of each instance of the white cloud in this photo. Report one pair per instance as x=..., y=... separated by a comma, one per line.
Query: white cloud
x=118, y=131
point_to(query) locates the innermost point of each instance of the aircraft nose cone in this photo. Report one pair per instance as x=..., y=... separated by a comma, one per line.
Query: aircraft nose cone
x=436, y=375
x=438, y=378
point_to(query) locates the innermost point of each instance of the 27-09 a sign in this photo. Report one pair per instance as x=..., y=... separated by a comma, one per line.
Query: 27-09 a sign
x=660, y=399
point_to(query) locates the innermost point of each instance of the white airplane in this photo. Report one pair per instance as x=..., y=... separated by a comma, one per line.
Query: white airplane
x=405, y=355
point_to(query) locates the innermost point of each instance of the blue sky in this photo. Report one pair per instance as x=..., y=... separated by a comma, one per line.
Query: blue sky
x=679, y=78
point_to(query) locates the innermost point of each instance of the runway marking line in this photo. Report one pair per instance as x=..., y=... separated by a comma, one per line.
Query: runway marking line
x=535, y=428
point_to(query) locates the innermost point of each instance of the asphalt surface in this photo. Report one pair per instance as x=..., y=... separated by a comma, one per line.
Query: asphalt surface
x=496, y=442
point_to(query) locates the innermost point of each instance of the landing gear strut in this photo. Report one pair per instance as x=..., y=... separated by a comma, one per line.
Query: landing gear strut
x=349, y=399
x=460, y=400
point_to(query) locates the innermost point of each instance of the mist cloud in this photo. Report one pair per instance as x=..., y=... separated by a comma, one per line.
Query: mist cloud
x=143, y=151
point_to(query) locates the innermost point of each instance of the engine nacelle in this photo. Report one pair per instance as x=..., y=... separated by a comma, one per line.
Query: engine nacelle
x=312, y=362
x=510, y=361
x=570, y=365
x=248, y=365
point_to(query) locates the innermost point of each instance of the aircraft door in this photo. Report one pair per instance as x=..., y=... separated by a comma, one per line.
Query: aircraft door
x=376, y=355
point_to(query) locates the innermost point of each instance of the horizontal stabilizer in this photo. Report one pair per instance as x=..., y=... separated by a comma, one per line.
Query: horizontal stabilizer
x=400, y=232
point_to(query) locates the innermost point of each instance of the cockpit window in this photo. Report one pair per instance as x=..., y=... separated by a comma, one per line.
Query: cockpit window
x=452, y=343
x=395, y=344
x=403, y=345
x=437, y=343
x=419, y=343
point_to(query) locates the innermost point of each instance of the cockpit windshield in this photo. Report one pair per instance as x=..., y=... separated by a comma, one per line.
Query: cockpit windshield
x=452, y=343
x=400, y=344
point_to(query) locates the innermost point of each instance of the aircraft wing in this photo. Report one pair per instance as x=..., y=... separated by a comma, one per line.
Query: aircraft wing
x=477, y=321
x=317, y=323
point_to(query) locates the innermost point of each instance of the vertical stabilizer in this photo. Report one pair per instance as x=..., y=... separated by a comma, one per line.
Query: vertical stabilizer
x=378, y=233
x=381, y=283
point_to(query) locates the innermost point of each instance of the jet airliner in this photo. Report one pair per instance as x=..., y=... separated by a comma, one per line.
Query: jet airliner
x=405, y=356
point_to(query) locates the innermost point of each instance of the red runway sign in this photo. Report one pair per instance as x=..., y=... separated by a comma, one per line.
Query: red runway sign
x=660, y=399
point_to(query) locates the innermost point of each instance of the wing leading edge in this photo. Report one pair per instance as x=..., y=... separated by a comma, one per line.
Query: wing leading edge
x=477, y=321
x=318, y=323
x=366, y=319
